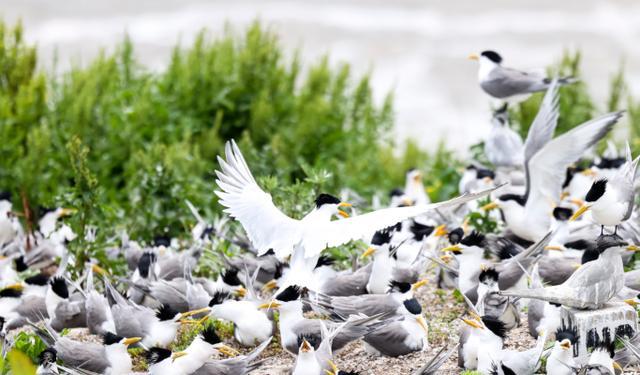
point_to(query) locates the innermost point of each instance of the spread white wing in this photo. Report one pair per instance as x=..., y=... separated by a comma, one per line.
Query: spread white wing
x=541, y=130
x=547, y=168
x=334, y=233
x=268, y=228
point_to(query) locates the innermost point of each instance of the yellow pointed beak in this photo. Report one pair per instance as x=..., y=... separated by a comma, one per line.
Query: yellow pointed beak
x=194, y=312
x=565, y=344
x=67, y=212
x=345, y=204
x=240, y=291
x=453, y=248
x=97, y=269
x=472, y=323
x=16, y=286
x=553, y=247
x=633, y=248
x=270, y=305
x=473, y=56
x=419, y=284
x=489, y=206
x=475, y=316
x=441, y=230
x=631, y=302
x=227, y=350
x=305, y=347
x=368, y=252
x=584, y=208
x=588, y=172
x=131, y=340
x=343, y=214
x=423, y=324
x=617, y=366
x=270, y=285
x=177, y=355
x=407, y=202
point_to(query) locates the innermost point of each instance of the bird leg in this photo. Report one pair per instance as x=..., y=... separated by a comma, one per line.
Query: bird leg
x=601, y=230
x=615, y=230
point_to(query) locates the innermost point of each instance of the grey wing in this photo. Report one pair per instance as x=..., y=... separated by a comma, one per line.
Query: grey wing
x=232, y=366
x=171, y=293
x=434, y=364
x=129, y=320
x=511, y=272
x=632, y=279
x=389, y=340
x=84, y=355
x=96, y=306
x=70, y=315
x=171, y=267
x=350, y=284
x=33, y=308
x=504, y=82
x=464, y=337
x=367, y=304
x=542, y=129
x=349, y=333
x=534, y=315
x=555, y=271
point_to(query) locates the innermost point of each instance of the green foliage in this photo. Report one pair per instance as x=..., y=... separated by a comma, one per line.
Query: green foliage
x=30, y=344
x=125, y=146
x=481, y=220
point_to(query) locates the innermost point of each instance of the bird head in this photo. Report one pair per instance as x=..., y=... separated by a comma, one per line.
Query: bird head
x=487, y=56
x=597, y=190
x=47, y=357
x=112, y=339
x=413, y=310
x=331, y=204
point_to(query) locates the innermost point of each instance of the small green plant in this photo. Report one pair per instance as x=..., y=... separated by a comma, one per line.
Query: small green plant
x=481, y=220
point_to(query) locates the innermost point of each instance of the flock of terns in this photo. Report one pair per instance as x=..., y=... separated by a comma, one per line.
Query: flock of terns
x=568, y=227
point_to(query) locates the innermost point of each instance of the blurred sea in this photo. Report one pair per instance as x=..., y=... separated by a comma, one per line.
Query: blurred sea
x=416, y=48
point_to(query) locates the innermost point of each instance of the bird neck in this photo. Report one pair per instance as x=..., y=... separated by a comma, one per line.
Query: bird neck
x=291, y=312
x=320, y=215
x=486, y=67
x=119, y=360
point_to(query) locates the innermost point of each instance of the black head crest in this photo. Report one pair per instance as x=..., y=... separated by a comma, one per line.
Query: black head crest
x=38, y=279
x=157, y=355
x=420, y=231
x=484, y=173
x=456, y=235
x=209, y=335
x=506, y=249
x=323, y=199
x=381, y=237
x=495, y=325
x=5, y=196
x=492, y=55
x=20, y=264
x=562, y=213
x=230, y=277
x=291, y=293
x=218, y=298
x=49, y=355
x=488, y=274
x=597, y=190
x=165, y=313
x=10, y=293
x=145, y=262
x=473, y=239
x=161, y=240
x=59, y=287
x=397, y=286
x=567, y=331
x=324, y=260
x=397, y=192
x=607, y=241
x=611, y=163
x=110, y=338
x=311, y=339
x=413, y=306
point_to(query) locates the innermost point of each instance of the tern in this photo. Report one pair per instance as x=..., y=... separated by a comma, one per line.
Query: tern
x=592, y=285
x=560, y=361
x=268, y=228
x=503, y=147
x=611, y=201
x=47, y=362
x=503, y=83
x=545, y=162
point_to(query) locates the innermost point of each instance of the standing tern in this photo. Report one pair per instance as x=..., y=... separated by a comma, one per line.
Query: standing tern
x=503, y=147
x=611, y=201
x=545, y=162
x=501, y=82
x=268, y=228
x=592, y=285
